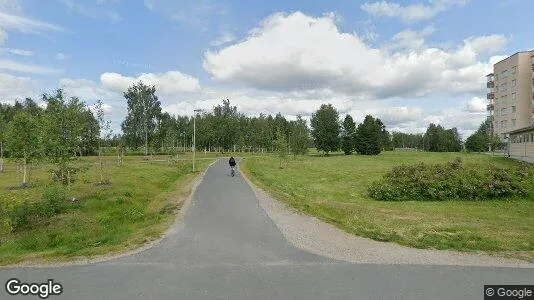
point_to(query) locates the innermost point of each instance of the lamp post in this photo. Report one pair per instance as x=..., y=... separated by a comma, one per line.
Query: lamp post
x=194, y=135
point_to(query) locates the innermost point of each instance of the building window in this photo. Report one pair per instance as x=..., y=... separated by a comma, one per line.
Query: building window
x=513, y=83
x=513, y=96
x=513, y=109
x=514, y=68
x=513, y=122
x=532, y=137
x=497, y=75
x=503, y=111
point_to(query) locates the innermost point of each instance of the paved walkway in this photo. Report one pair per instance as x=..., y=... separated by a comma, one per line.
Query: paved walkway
x=226, y=247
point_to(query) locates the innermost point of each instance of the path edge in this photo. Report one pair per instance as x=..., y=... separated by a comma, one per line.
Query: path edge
x=266, y=199
x=148, y=245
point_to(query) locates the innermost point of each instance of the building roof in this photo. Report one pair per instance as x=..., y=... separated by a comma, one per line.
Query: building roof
x=511, y=56
x=520, y=130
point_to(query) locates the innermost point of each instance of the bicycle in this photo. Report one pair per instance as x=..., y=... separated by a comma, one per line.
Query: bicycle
x=232, y=172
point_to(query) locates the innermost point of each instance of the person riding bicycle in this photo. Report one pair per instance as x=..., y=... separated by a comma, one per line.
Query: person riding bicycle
x=232, y=164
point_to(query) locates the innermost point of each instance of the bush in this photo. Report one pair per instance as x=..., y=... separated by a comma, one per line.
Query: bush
x=450, y=181
x=21, y=216
x=27, y=214
x=53, y=201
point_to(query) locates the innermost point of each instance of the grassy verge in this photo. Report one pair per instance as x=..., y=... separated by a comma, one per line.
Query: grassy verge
x=136, y=208
x=334, y=189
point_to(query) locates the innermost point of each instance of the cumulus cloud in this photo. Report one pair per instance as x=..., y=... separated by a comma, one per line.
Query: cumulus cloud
x=411, y=39
x=166, y=83
x=17, y=88
x=413, y=12
x=299, y=52
x=224, y=38
x=476, y=105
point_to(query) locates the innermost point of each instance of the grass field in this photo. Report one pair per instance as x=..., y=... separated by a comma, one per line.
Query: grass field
x=334, y=189
x=137, y=207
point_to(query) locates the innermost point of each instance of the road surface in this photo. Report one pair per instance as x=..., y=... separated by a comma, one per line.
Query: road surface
x=226, y=247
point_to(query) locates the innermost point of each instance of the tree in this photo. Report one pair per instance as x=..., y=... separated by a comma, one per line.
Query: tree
x=90, y=137
x=3, y=130
x=385, y=137
x=299, y=137
x=144, y=109
x=104, y=132
x=63, y=128
x=281, y=145
x=348, y=135
x=369, y=136
x=326, y=128
x=22, y=139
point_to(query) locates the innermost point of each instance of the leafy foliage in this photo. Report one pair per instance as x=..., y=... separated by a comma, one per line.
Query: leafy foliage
x=63, y=128
x=369, y=136
x=451, y=181
x=22, y=139
x=348, y=135
x=326, y=128
x=144, y=110
x=299, y=136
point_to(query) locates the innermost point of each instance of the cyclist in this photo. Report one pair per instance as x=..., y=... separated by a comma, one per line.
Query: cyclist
x=232, y=164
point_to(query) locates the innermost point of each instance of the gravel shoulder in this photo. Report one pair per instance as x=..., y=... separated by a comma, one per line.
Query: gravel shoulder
x=311, y=234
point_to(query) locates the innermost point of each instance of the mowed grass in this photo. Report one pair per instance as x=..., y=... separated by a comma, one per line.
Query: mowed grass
x=334, y=189
x=136, y=208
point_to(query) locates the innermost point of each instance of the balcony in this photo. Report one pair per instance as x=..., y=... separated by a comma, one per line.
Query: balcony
x=490, y=96
x=490, y=84
x=490, y=107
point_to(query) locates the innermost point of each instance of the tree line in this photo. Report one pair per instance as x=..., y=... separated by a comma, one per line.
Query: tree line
x=67, y=128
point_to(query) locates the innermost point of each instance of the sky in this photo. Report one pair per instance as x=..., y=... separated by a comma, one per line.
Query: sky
x=410, y=63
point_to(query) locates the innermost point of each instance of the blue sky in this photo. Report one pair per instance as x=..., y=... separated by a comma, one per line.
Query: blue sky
x=408, y=62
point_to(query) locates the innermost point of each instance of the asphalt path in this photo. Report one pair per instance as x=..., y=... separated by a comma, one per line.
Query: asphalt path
x=226, y=247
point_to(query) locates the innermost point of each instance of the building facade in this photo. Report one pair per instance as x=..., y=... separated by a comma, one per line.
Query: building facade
x=511, y=94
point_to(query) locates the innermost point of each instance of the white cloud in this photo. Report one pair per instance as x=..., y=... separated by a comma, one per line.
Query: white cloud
x=25, y=68
x=3, y=36
x=17, y=88
x=91, y=12
x=166, y=83
x=299, y=52
x=26, y=25
x=61, y=56
x=224, y=38
x=21, y=52
x=410, y=13
x=87, y=89
x=475, y=105
x=411, y=39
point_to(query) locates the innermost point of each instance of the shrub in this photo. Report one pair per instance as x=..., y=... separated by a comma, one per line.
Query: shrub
x=53, y=201
x=21, y=216
x=450, y=181
x=27, y=214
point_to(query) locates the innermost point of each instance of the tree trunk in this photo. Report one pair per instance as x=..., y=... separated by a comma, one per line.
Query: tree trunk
x=1, y=157
x=146, y=139
x=25, y=178
x=101, y=165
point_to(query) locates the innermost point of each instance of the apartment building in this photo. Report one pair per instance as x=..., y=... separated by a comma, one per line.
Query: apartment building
x=511, y=94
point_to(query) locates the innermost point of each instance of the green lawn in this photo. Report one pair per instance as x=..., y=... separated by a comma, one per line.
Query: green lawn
x=334, y=189
x=137, y=207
